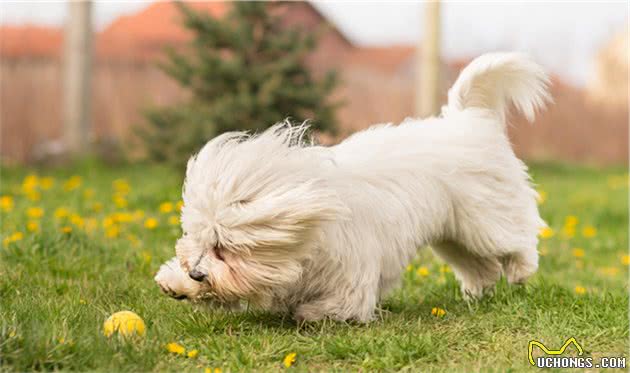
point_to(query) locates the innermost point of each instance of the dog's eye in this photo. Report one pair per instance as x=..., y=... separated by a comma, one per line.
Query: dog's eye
x=217, y=253
x=240, y=203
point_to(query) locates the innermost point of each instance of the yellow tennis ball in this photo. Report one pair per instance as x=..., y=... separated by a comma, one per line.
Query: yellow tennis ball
x=126, y=323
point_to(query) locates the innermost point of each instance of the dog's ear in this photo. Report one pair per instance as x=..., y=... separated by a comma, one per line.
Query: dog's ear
x=265, y=190
x=285, y=217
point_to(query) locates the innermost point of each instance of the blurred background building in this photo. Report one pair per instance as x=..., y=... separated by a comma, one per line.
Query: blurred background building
x=587, y=123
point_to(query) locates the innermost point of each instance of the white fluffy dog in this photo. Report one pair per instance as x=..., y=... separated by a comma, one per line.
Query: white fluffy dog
x=327, y=231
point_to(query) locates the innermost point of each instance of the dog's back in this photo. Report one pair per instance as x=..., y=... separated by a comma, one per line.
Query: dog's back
x=453, y=181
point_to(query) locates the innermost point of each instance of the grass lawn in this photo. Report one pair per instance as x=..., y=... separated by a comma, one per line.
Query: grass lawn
x=81, y=244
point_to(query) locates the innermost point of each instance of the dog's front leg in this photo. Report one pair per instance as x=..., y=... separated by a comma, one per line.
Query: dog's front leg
x=349, y=302
x=332, y=309
x=176, y=283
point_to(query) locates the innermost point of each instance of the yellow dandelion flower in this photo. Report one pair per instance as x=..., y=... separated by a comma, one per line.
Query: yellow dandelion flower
x=120, y=201
x=215, y=370
x=166, y=207
x=578, y=252
x=173, y=220
x=546, y=232
x=61, y=212
x=175, y=348
x=438, y=312
x=422, y=271
x=625, y=260
x=112, y=231
x=445, y=268
x=133, y=239
x=90, y=224
x=72, y=183
x=571, y=221
x=30, y=183
x=6, y=203
x=580, y=290
x=589, y=231
x=121, y=186
x=568, y=231
x=32, y=226
x=33, y=195
x=151, y=223
x=179, y=205
x=14, y=237
x=192, y=354
x=88, y=193
x=542, y=197
x=108, y=221
x=66, y=229
x=34, y=212
x=289, y=359
x=409, y=268
x=609, y=271
x=138, y=215
x=77, y=220
x=97, y=207
x=146, y=256
x=46, y=182
x=68, y=342
x=122, y=217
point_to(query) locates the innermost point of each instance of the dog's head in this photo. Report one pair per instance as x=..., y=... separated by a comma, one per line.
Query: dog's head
x=252, y=206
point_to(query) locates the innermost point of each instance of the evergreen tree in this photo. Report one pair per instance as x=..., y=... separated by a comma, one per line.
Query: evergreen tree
x=244, y=72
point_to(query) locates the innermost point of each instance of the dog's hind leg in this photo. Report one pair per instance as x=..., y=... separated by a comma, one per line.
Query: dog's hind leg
x=476, y=274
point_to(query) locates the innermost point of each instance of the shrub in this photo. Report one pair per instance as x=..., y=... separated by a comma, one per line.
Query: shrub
x=245, y=71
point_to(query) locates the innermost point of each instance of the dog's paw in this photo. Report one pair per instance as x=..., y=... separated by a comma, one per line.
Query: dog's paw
x=170, y=292
x=174, y=282
x=474, y=291
x=310, y=312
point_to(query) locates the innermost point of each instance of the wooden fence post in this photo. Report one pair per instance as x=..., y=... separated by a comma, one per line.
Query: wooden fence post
x=77, y=62
x=428, y=58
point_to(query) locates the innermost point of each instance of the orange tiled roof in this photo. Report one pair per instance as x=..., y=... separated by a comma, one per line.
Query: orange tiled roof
x=138, y=36
x=144, y=35
x=31, y=41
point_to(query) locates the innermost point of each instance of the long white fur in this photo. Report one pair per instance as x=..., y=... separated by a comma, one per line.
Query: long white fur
x=327, y=232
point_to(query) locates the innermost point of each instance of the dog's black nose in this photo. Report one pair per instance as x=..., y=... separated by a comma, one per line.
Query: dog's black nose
x=196, y=275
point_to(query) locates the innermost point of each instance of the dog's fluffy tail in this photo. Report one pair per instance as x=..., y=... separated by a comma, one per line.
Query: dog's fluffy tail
x=494, y=80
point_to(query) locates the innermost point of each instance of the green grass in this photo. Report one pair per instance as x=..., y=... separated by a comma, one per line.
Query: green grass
x=56, y=289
